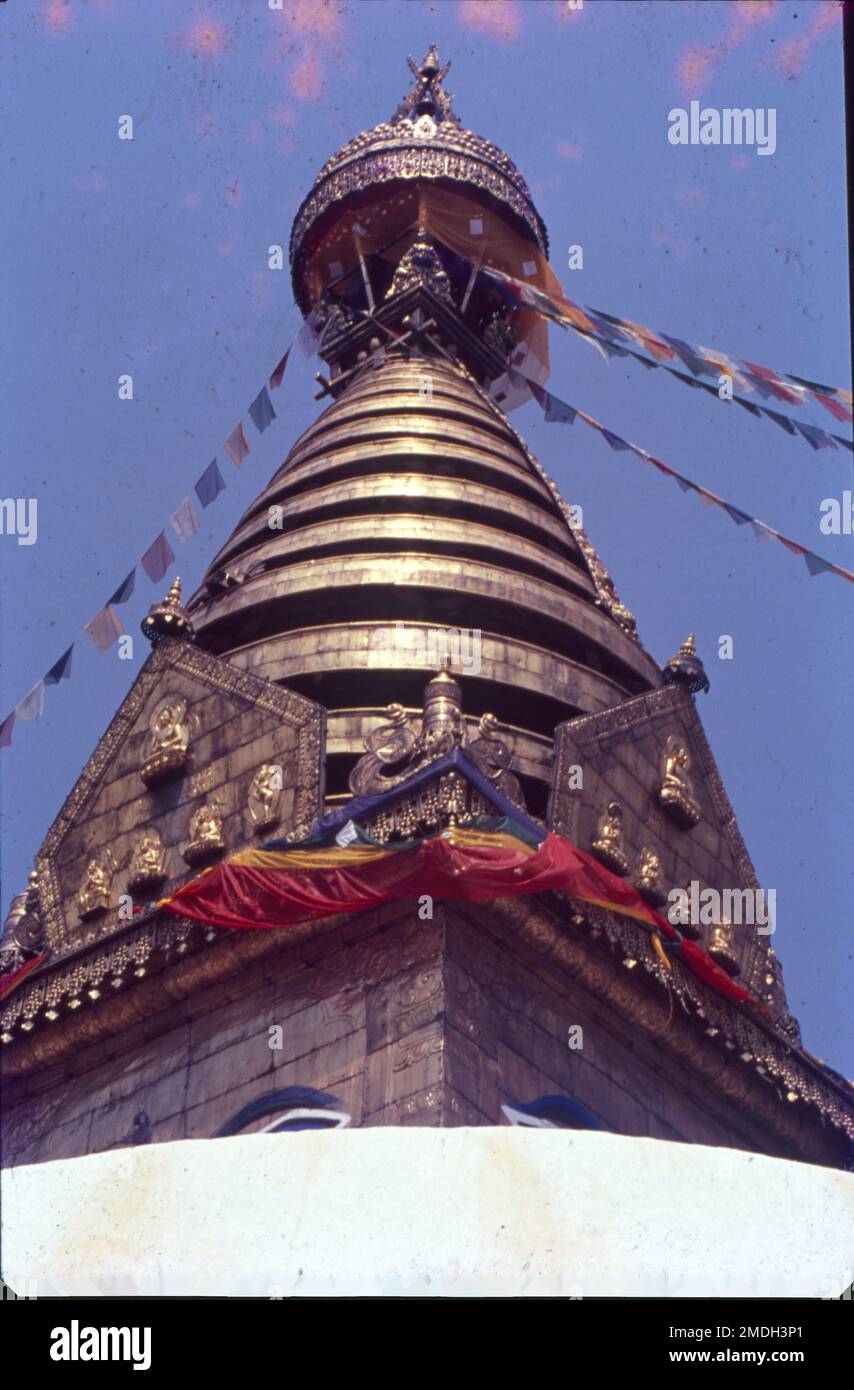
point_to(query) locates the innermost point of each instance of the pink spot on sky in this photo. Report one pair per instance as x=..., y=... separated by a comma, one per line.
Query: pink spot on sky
x=739, y=161
x=568, y=149
x=206, y=38
x=692, y=69
x=308, y=32
x=57, y=16
x=306, y=77
x=501, y=19
x=205, y=124
x=674, y=245
x=234, y=194
x=225, y=248
x=320, y=18
x=691, y=197
x=695, y=65
x=283, y=115
x=794, y=52
x=96, y=184
x=192, y=200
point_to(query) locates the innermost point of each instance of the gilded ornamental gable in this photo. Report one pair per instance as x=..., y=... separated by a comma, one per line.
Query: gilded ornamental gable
x=637, y=786
x=199, y=759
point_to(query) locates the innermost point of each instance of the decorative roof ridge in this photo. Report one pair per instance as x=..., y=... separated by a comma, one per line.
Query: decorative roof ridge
x=458, y=760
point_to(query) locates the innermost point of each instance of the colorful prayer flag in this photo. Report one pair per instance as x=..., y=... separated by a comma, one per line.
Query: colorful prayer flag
x=261, y=410
x=185, y=521
x=693, y=361
x=237, y=445
x=157, y=558
x=836, y=409
x=782, y=420
x=767, y=380
x=125, y=589
x=32, y=705
x=104, y=628
x=211, y=483
x=819, y=439
x=558, y=412
x=61, y=670
x=614, y=440
x=745, y=405
x=815, y=564
x=279, y=372
x=307, y=336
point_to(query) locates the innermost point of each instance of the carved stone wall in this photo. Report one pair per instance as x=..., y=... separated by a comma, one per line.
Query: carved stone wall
x=406, y=1022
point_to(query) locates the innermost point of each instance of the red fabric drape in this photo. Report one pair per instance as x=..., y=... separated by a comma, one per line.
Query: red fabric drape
x=240, y=894
x=13, y=978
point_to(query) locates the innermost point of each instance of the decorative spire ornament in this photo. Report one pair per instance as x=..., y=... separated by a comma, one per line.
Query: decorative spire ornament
x=427, y=98
x=686, y=668
x=168, y=618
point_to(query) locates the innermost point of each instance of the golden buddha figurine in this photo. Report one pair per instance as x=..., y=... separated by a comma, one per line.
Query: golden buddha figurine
x=148, y=862
x=169, y=741
x=608, y=845
x=206, y=838
x=94, y=895
x=721, y=946
x=676, y=793
x=263, y=797
x=648, y=877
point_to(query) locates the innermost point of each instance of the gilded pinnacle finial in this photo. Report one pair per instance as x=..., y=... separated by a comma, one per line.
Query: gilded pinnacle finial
x=427, y=97
x=168, y=618
x=686, y=668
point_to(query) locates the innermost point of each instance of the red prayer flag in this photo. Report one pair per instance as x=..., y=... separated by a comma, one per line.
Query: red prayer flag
x=157, y=558
x=840, y=411
x=279, y=372
x=777, y=387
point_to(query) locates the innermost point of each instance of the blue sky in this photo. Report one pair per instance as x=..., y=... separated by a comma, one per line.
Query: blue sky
x=149, y=257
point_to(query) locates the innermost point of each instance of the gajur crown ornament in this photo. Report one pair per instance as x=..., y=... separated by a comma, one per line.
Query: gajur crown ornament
x=168, y=618
x=686, y=668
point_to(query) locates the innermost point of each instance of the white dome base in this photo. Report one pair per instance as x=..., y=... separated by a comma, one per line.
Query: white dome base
x=479, y=1211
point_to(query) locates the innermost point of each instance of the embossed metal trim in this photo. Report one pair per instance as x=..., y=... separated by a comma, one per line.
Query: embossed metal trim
x=395, y=156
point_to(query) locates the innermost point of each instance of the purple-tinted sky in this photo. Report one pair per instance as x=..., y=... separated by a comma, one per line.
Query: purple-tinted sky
x=150, y=257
